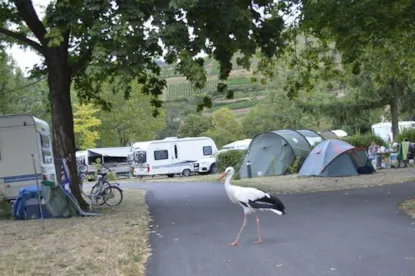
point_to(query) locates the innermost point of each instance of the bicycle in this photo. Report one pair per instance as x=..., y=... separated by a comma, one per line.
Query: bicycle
x=103, y=191
x=82, y=169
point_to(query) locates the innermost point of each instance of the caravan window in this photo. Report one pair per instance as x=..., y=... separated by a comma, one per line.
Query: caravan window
x=161, y=155
x=47, y=157
x=207, y=150
x=115, y=159
x=44, y=141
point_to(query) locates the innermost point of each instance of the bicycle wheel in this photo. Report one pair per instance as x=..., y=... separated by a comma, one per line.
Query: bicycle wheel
x=95, y=188
x=110, y=195
x=99, y=199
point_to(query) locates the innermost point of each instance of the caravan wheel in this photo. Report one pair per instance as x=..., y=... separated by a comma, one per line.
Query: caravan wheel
x=186, y=172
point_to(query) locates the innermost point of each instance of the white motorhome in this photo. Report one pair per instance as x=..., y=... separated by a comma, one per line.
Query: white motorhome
x=170, y=156
x=384, y=129
x=115, y=158
x=20, y=136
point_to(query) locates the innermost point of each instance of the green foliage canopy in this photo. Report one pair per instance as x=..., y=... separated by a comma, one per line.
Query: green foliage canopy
x=194, y=125
x=130, y=120
x=373, y=38
x=225, y=128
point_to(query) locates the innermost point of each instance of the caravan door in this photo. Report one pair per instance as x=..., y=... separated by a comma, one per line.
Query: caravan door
x=175, y=159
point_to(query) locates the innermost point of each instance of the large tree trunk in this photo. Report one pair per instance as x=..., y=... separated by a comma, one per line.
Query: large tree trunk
x=394, y=110
x=59, y=80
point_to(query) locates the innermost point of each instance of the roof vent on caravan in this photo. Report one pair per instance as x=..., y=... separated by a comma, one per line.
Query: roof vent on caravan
x=171, y=138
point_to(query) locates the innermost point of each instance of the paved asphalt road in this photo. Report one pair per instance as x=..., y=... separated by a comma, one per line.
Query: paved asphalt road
x=358, y=232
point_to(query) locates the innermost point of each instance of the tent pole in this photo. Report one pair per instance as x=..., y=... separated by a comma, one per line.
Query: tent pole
x=38, y=194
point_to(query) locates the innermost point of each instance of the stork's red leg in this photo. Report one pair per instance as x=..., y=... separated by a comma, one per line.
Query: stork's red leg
x=259, y=230
x=240, y=231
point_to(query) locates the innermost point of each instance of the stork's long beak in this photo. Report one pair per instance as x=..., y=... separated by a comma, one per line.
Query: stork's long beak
x=222, y=175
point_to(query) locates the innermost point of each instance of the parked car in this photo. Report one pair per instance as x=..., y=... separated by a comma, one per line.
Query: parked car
x=208, y=165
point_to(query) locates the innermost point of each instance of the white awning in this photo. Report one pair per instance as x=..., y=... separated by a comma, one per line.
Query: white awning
x=241, y=144
x=111, y=152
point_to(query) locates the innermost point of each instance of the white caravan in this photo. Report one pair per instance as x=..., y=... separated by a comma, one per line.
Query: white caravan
x=384, y=130
x=240, y=144
x=20, y=136
x=170, y=156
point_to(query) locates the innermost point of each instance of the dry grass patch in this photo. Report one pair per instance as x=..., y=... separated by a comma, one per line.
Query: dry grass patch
x=409, y=207
x=115, y=243
x=295, y=184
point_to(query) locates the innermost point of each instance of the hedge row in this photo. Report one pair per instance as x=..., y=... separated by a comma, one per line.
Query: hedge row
x=408, y=134
x=364, y=140
x=230, y=158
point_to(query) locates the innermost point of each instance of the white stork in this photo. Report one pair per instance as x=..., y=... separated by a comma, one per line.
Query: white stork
x=251, y=200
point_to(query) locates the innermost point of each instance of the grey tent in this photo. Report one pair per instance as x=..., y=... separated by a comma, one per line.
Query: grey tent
x=328, y=134
x=312, y=137
x=271, y=153
x=333, y=158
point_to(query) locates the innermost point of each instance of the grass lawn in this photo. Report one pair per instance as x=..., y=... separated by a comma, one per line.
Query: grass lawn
x=115, y=243
x=294, y=184
x=409, y=207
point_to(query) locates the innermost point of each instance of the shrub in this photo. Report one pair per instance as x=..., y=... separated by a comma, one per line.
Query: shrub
x=296, y=166
x=111, y=176
x=406, y=133
x=5, y=208
x=230, y=158
x=363, y=141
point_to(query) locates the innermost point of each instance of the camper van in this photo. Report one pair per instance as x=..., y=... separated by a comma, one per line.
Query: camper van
x=114, y=158
x=21, y=136
x=170, y=156
x=384, y=129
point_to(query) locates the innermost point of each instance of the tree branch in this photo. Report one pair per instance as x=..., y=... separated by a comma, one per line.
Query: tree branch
x=28, y=14
x=23, y=39
x=84, y=58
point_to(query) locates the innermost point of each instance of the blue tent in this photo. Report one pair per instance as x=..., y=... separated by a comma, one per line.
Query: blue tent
x=333, y=158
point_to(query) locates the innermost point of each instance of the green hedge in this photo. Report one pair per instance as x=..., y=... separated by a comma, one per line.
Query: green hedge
x=5, y=208
x=406, y=133
x=230, y=158
x=364, y=140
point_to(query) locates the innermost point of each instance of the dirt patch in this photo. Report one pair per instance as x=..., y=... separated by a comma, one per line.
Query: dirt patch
x=115, y=243
x=409, y=207
x=240, y=73
x=241, y=111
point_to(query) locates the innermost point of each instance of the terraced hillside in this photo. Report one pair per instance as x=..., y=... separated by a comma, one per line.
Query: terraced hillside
x=246, y=93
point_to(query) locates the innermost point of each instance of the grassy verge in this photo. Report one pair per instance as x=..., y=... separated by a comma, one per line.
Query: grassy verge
x=294, y=184
x=115, y=243
x=193, y=178
x=409, y=207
